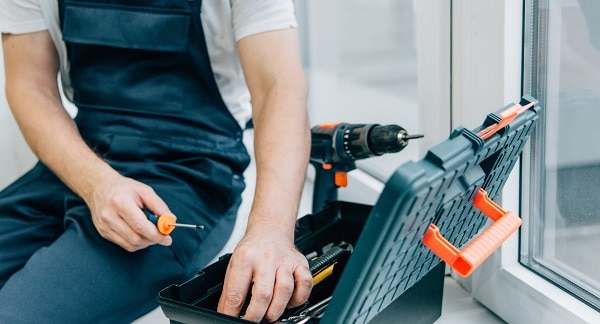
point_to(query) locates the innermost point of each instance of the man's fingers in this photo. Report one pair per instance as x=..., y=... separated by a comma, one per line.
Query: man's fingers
x=235, y=288
x=272, y=294
x=262, y=295
x=130, y=230
x=303, y=283
x=119, y=232
x=282, y=292
x=140, y=223
x=156, y=205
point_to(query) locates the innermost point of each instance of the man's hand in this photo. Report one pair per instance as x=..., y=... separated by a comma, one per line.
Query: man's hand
x=116, y=207
x=273, y=270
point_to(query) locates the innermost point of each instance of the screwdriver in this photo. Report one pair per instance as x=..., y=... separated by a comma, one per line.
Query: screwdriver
x=166, y=223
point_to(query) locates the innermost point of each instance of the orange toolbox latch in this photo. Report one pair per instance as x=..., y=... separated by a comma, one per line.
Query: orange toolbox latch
x=467, y=260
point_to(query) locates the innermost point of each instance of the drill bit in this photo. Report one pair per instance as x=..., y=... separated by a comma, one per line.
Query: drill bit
x=414, y=136
x=403, y=137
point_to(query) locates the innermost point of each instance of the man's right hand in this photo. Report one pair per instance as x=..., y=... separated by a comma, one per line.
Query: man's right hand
x=116, y=206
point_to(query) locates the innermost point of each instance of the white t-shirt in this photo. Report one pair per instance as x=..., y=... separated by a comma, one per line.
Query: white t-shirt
x=224, y=23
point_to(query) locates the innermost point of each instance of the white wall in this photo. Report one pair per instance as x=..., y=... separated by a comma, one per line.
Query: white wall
x=15, y=157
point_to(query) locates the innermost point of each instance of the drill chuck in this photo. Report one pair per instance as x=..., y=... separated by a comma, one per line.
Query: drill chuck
x=387, y=139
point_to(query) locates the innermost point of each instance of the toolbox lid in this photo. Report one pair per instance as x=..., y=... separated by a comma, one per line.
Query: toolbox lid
x=435, y=196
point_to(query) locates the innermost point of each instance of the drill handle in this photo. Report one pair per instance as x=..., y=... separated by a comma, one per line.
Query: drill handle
x=326, y=185
x=324, y=190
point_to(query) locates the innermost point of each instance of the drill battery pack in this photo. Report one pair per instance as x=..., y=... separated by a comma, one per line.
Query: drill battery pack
x=383, y=263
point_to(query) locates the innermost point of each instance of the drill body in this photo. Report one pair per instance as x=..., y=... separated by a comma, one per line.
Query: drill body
x=336, y=147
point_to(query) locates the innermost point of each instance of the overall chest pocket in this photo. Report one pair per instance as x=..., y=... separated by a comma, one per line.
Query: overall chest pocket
x=128, y=55
x=148, y=27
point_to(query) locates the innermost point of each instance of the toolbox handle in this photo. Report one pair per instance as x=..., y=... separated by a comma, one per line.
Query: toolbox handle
x=467, y=260
x=506, y=117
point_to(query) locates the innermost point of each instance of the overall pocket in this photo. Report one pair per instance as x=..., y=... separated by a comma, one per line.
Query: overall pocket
x=125, y=26
x=127, y=58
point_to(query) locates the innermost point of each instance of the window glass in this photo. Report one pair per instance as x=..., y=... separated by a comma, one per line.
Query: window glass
x=562, y=69
x=361, y=63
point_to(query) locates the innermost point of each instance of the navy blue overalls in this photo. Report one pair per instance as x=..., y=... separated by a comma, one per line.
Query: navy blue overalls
x=149, y=105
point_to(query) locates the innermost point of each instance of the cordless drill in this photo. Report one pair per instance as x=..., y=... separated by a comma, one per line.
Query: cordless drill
x=335, y=148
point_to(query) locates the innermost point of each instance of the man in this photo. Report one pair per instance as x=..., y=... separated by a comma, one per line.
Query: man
x=161, y=93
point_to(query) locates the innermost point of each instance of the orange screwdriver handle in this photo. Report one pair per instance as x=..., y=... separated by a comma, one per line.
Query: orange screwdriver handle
x=165, y=224
x=467, y=260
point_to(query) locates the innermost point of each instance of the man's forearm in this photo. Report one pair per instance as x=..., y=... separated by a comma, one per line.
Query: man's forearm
x=266, y=257
x=278, y=86
x=282, y=147
x=33, y=96
x=54, y=138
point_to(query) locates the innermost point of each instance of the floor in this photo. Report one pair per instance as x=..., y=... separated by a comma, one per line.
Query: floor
x=458, y=306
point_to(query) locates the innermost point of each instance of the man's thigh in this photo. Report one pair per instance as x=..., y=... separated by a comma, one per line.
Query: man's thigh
x=75, y=275
x=78, y=280
x=31, y=216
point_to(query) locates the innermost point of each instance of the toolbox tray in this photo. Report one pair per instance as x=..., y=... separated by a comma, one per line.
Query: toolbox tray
x=390, y=257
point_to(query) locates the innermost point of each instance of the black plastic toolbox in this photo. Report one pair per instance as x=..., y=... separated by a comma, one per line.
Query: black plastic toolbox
x=392, y=272
x=195, y=301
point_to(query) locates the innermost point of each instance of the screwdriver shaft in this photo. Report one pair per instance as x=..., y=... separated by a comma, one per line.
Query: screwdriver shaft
x=166, y=223
x=188, y=225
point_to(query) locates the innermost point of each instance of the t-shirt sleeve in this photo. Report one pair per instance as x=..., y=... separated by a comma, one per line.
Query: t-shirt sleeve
x=258, y=16
x=21, y=16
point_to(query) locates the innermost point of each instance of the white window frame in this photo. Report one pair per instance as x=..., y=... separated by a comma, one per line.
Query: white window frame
x=487, y=48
